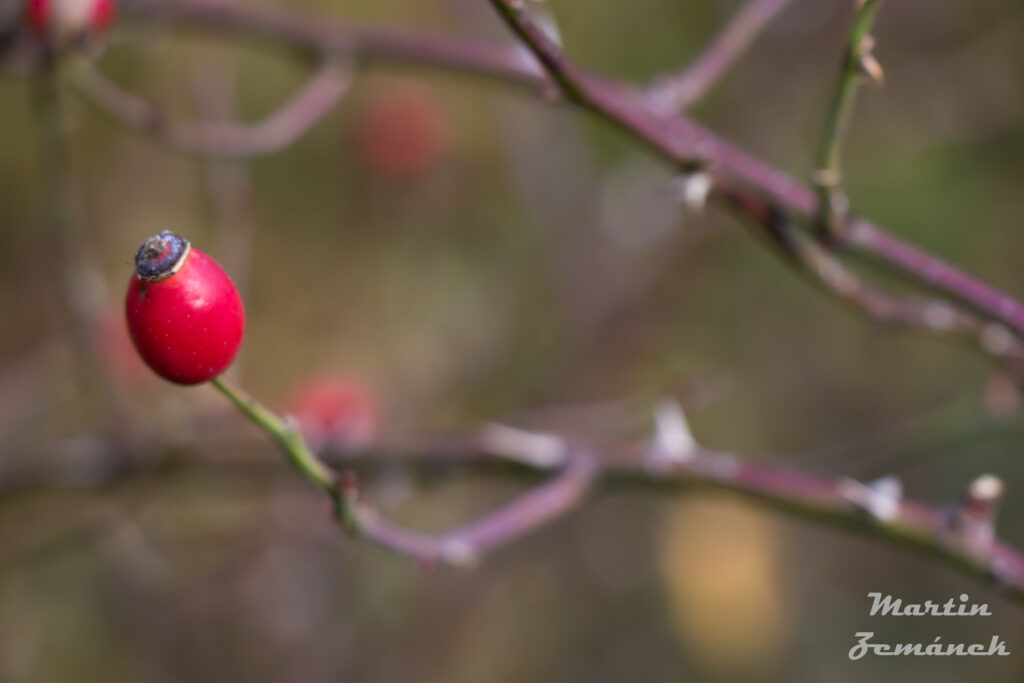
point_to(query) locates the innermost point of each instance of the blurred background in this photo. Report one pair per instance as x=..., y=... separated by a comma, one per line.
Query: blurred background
x=456, y=252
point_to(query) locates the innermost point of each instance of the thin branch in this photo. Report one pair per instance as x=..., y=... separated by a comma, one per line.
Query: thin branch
x=677, y=92
x=293, y=119
x=465, y=545
x=936, y=315
x=858, y=62
x=287, y=435
x=960, y=535
x=613, y=103
x=678, y=139
x=461, y=546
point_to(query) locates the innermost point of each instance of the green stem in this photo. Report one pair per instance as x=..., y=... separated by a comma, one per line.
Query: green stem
x=827, y=179
x=287, y=436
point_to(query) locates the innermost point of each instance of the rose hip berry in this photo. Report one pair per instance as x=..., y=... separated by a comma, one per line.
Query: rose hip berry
x=65, y=21
x=402, y=132
x=184, y=313
x=335, y=412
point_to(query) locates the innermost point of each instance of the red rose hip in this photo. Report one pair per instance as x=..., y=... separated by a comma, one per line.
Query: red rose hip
x=184, y=313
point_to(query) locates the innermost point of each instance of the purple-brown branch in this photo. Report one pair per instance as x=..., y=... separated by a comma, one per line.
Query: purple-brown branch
x=961, y=534
x=215, y=138
x=464, y=546
x=678, y=139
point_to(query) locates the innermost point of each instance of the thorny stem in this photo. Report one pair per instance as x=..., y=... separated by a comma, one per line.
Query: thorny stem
x=857, y=63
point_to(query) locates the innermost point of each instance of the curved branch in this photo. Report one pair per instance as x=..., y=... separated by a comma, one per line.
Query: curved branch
x=464, y=545
x=280, y=129
x=678, y=91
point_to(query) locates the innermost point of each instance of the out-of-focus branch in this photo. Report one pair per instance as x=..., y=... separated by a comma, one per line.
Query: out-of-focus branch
x=679, y=91
x=858, y=62
x=296, y=116
x=961, y=534
x=936, y=315
x=463, y=546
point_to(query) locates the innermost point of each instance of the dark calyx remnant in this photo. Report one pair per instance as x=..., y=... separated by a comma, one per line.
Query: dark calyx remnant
x=161, y=256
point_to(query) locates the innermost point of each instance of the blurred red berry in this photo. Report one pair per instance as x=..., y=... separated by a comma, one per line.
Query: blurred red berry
x=335, y=412
x=402, y=131
x=67, y=20
x=184, y=313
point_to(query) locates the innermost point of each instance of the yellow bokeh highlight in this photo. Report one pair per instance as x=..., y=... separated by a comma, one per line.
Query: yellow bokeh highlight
x=720, y=562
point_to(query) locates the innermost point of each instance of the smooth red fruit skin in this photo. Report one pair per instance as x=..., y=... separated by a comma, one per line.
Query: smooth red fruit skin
x=187, y=327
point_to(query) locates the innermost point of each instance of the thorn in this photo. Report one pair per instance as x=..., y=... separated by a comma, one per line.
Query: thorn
x=870, y=67
x=673, y=440
x=531, y=448
x=692, y=189
x=696, y=188
x=880, y=499
x=866, y=62
x=544, y=19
